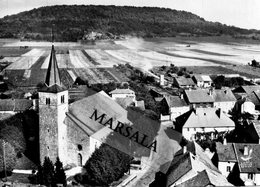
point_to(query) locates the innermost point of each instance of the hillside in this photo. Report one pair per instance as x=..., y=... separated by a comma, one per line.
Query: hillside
x=73, y=22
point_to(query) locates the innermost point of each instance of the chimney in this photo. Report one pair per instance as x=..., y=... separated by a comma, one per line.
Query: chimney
x=184, y=149
x=225, y=141
x=181, y=95
x=161, y=80
x=245, y=150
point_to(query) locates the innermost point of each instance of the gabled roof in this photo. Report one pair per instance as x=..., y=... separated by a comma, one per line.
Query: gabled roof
x=248, y=163
x=183, y=81
x=208, y=117
x=223, y=95
x=198, y=96
x=226, y=153
x=122, y=91
x=175, y=101
x=202, y=78
x=124, y=102
x=53, y=81
x=15, y=105
x=246, y=89
x=196, y=163
x=205, y=178
x=256, y=125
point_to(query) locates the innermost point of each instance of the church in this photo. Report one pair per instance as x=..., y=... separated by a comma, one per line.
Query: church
x=67, y=130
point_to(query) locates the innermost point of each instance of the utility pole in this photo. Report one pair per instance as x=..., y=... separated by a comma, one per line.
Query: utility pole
x=4, y=159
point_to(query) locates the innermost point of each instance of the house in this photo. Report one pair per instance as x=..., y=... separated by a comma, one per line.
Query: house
x=245, y=105
x=158, y=92
x=202, y=81
x=226, y=156
x=174, y=106
x=183, y=82
x=248, y=159
x=224, y=99
x=188, y=167
x=122, y=93
x=203, y=120
x=199, y=98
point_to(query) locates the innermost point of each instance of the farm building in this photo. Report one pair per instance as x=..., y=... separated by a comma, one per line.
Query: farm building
x=183, y=82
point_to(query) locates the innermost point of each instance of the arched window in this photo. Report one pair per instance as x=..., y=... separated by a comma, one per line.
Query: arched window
x=79, y=159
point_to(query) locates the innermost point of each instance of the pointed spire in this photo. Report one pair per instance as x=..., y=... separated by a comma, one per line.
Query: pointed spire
x=53, y=76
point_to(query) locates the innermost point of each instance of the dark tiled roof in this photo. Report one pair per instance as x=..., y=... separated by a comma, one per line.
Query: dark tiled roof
x=125, y=102
x=202, y=179
x=247, y=89
x=52, y=75
x=248, y=163
x=256, y=125
x=226, y=153
x=175, y=101
x=52, y=89
x=223, y=95
x=179, y=167
x=182, y=81
x=15, y=105
x=198, y=96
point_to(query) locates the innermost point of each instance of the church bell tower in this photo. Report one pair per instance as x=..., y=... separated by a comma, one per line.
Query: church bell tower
x=53, y=105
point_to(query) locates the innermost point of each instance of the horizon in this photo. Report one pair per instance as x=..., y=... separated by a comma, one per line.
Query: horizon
x=238, y=13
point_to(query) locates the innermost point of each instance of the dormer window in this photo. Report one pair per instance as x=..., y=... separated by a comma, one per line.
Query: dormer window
x=48, y=101
x=62, y=99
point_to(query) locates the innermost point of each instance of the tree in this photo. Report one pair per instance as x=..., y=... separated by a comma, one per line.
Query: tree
x=47, y=172
x=105, y=165
x=59, y=174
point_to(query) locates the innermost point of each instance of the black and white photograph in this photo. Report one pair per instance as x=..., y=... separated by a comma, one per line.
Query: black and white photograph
x=129, y=93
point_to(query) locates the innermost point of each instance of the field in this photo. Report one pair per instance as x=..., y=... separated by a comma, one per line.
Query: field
x=94, y=63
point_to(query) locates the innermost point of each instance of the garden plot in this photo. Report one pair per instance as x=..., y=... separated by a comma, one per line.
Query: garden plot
x=27, y=60
x=63, y=61
x=78, y=59
x=103, y=58
x=9, y=59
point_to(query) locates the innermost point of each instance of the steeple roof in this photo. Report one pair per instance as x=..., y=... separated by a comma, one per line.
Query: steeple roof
x=53, y=81
x=53, y=76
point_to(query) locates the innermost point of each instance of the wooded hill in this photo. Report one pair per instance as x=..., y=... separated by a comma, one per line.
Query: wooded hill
x=73, y=22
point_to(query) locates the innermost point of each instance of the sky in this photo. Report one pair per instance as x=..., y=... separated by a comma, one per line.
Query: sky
x=240, y=13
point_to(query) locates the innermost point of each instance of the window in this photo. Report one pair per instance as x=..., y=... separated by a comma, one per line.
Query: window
x=228, y=168
x=62, y=99
x=79, y=147
x=188, y=129
x=250, y=176
x=48, y=101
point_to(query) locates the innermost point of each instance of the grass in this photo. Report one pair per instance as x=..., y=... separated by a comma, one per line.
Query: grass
x=209, y=52
x=242, y=70
x=12, y=51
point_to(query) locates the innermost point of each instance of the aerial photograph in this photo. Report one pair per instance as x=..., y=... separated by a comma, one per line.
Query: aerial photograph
x=129, y=93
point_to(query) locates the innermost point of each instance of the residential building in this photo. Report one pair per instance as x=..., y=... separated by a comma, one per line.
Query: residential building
x=203, y=120
x=226, y=157
x=248, y=159
x=174, y=106
x=202, y=81
x=187, y=168
x=122, y=93
x=224, y=99
x=246, y=90
x=183, y=82
x=199, y=98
